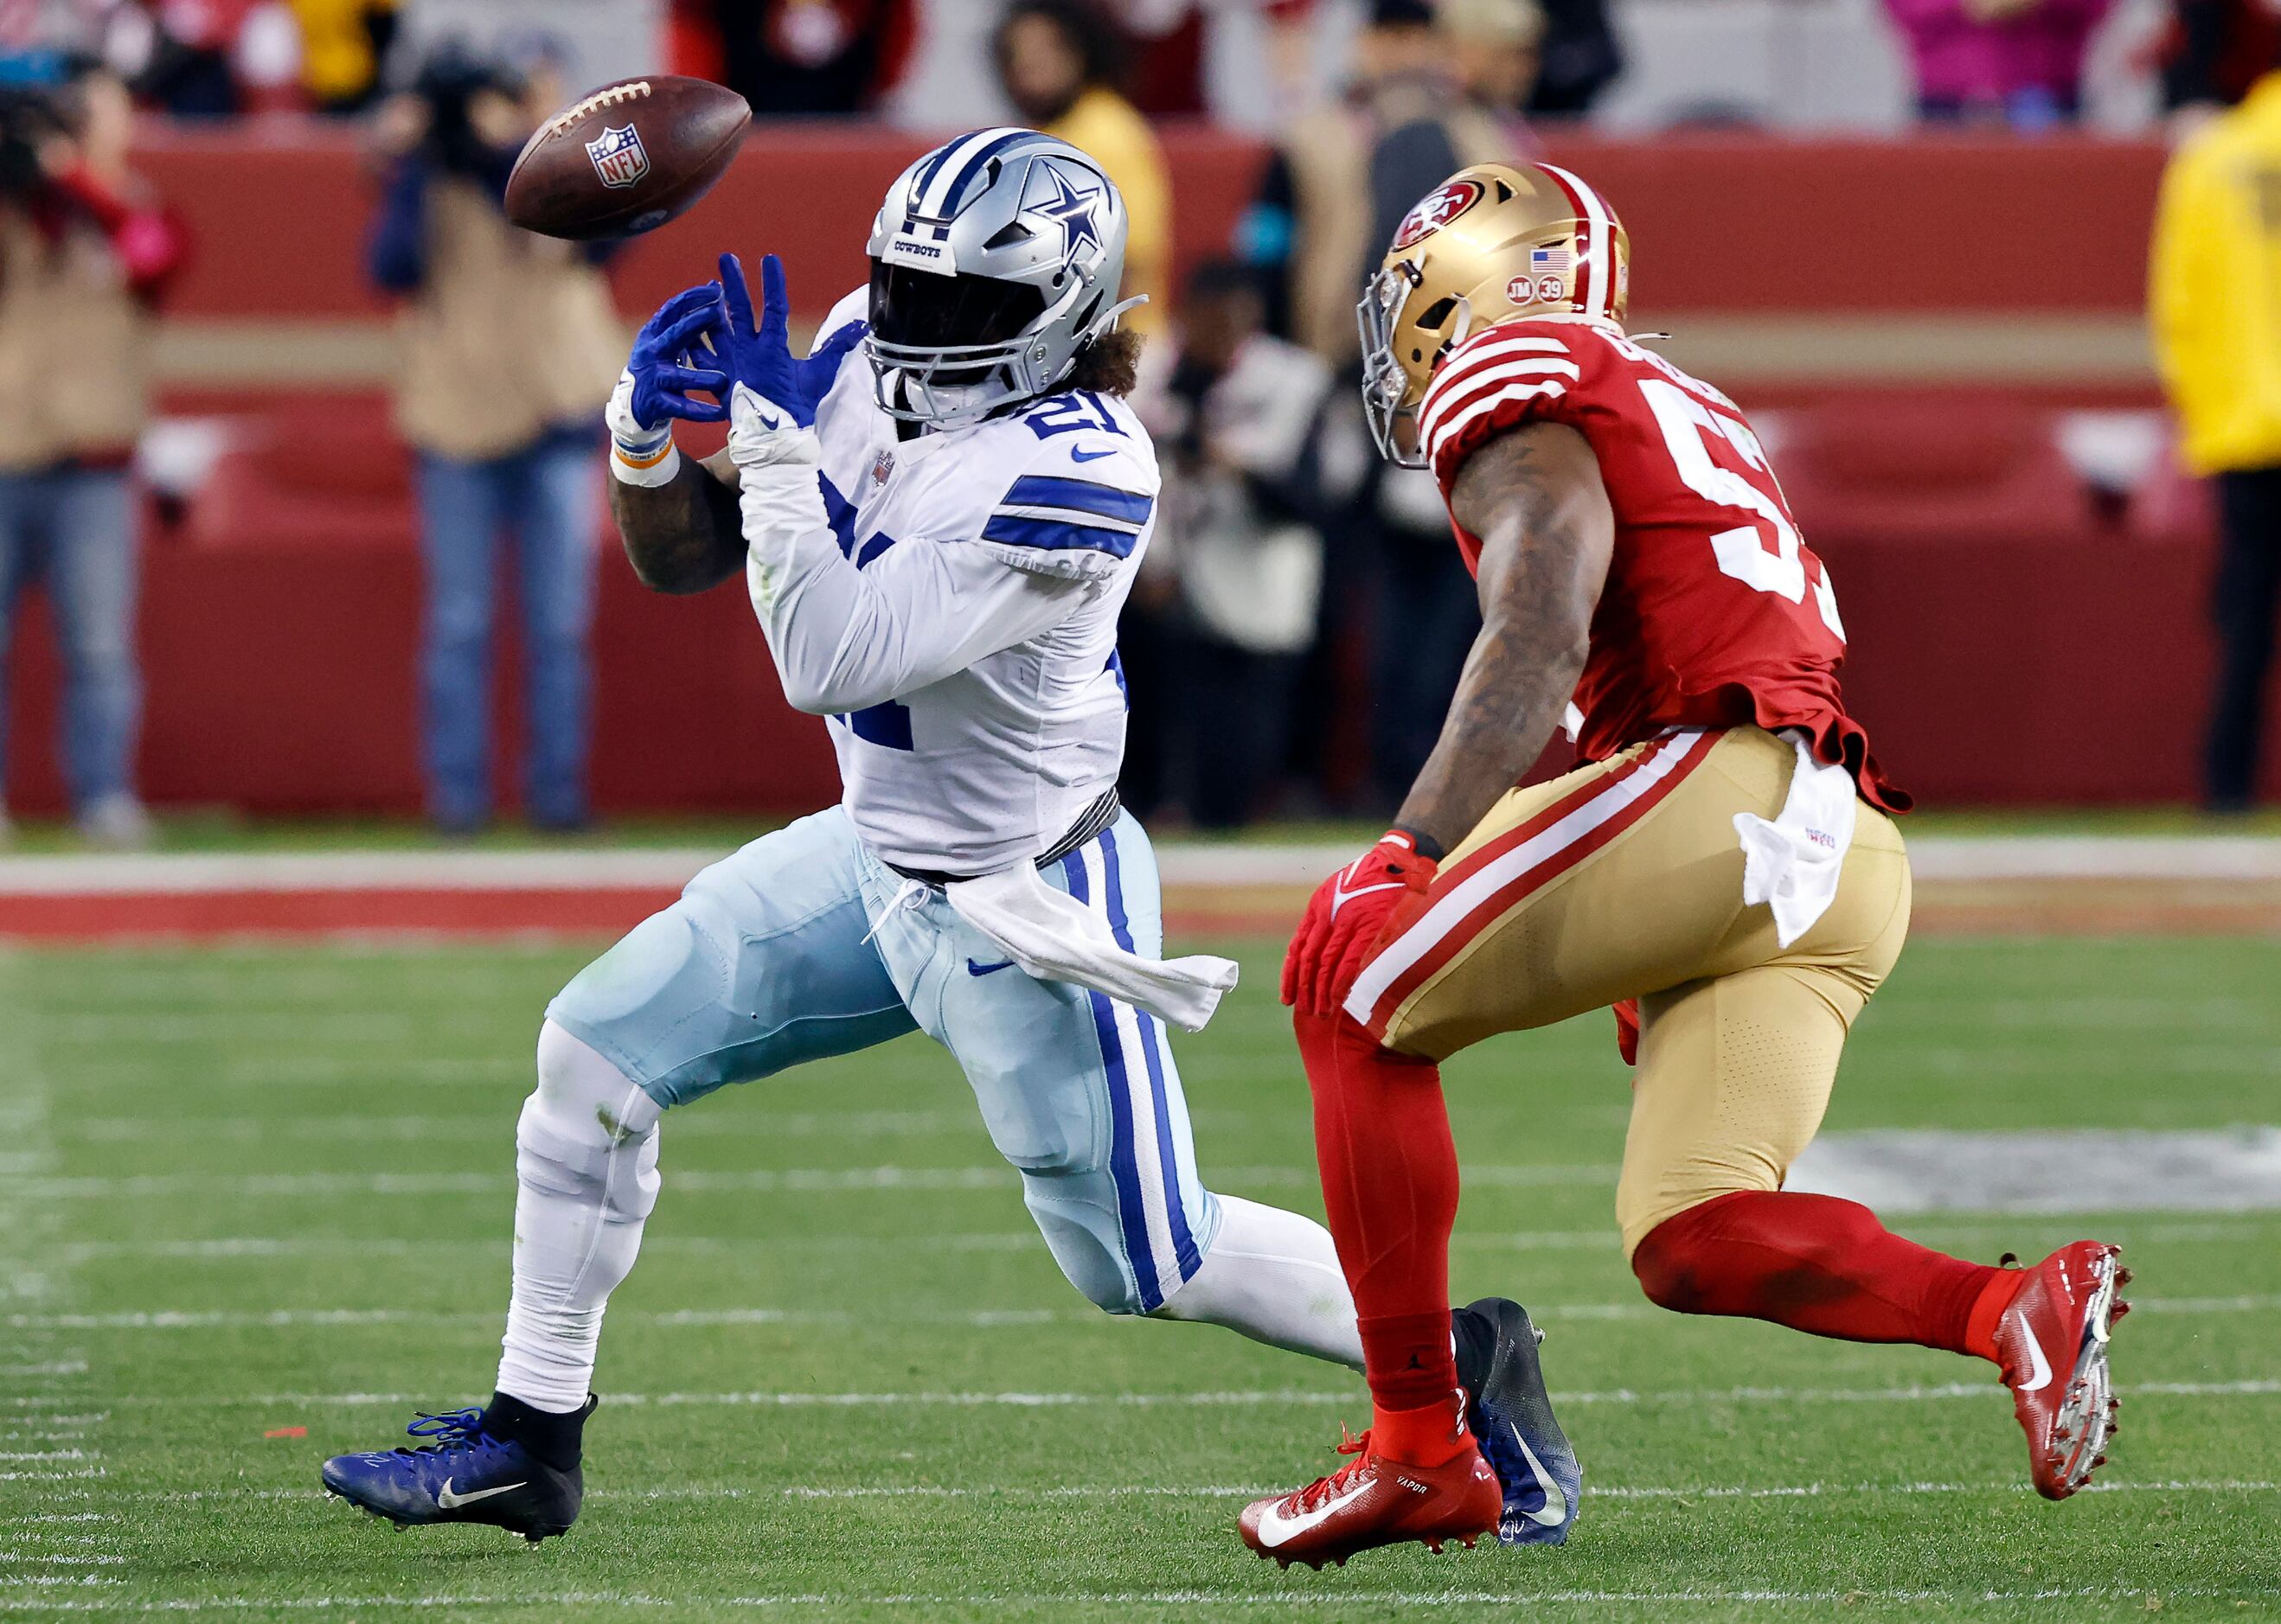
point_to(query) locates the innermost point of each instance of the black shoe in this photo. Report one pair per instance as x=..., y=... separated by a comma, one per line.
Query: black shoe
x=1512, y=1422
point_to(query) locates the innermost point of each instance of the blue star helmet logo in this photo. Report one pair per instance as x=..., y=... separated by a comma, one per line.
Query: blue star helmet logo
x=1074, y=211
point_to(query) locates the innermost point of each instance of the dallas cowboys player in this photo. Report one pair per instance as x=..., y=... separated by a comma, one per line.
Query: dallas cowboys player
x=937, y=535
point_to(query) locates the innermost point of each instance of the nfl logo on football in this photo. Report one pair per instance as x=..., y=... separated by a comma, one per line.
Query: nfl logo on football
x=619, y=157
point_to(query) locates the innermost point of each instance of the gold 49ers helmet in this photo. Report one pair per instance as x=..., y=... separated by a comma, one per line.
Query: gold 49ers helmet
x=1490, y=243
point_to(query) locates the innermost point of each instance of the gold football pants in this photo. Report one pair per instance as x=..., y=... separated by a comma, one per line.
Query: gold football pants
x=1624, y=881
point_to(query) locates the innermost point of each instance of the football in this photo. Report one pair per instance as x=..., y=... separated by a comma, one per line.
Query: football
x=627, y=157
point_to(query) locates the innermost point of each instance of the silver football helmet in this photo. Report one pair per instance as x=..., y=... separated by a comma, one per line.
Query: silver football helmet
x=995, y=261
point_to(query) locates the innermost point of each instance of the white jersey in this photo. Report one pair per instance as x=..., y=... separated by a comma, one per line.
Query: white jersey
x=1004, y=552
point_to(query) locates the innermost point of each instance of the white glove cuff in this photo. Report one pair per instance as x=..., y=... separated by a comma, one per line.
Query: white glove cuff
x=657, y=469
x=762, y=435
x=639, y=456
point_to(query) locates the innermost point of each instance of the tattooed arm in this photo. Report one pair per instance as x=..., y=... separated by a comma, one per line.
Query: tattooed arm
x=685, y=535
x=1536, y=499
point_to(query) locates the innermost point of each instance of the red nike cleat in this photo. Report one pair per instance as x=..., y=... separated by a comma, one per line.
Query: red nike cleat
x=1376, y=1501
x=2051, y=1341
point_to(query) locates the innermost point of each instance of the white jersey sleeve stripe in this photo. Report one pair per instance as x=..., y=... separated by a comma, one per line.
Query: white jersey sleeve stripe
x=1512, y=393
x=1492, y=341
x=1452, y=394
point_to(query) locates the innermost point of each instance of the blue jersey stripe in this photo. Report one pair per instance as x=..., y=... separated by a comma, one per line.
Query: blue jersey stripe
x=1184, y=1242
x=839, y=514
x=1131, y=1216
x=887, y=725
x=1052, y=535
x=1080, y=495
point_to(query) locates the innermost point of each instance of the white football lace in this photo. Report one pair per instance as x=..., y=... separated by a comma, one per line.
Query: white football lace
x=600, y=99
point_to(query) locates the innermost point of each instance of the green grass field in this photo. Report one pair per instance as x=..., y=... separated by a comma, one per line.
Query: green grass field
x=247, y=1191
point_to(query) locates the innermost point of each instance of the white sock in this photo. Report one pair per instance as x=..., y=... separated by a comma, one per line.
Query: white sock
x=1274, y=1276
x=587, y=1171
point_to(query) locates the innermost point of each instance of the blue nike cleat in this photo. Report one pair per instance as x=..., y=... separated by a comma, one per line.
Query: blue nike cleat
x=465, y=1475
x=1512, y=1422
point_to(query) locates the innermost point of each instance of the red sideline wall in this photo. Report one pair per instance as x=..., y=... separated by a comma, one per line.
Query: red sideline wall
x=2061, y=664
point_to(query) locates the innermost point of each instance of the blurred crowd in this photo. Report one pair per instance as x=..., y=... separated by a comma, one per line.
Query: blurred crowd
x=1302, y=617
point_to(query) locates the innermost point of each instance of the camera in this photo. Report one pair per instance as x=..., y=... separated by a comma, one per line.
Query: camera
x=31, y=116
x=449, y=83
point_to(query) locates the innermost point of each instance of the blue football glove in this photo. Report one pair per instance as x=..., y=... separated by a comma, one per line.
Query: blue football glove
x=758, y=354
x=667, y=363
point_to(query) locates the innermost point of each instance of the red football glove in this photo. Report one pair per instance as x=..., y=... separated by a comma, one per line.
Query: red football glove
x=1346, y=918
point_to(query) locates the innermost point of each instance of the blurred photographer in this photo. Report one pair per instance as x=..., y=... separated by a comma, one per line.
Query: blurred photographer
x=84, y=253
x=510, y=349
x=1236, y=418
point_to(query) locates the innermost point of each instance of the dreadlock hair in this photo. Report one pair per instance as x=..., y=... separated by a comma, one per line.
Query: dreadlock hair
x=1108, y=364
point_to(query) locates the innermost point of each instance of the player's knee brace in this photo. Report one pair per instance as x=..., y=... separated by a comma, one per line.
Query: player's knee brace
x=587, y=1131
x=1079, y=1223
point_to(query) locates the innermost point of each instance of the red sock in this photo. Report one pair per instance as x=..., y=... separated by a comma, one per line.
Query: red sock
x=1818, y=1263
x=1390, y=1184
x=1427, y=1436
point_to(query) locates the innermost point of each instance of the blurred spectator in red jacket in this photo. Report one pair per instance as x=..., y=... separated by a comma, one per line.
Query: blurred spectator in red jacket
x=813, y=58
x=2016, y=62
x=1170, y=40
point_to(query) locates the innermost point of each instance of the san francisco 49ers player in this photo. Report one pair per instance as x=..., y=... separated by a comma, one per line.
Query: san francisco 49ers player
x=1723, y=869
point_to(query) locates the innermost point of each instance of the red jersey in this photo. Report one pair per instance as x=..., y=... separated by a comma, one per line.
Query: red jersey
x=1716, y=614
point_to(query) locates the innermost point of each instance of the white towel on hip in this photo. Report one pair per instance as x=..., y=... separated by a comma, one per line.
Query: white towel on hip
x=1053, y=936
x=1793, y=864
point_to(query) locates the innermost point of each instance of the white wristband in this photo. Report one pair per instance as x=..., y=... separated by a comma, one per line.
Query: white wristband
x=648, y=473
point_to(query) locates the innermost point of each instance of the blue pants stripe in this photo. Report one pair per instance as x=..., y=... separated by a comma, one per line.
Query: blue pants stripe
x=1133, y=1214
x=1184, y=1243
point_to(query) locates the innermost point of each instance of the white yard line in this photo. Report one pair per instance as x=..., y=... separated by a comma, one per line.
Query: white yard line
x=802, y=1180
x=984, y=1603
x=2046, y=1170
x=1232, y=1491
x=255, y=1249
x=2215, y=858
x=1986, y=1390
x=229, y=1249
x=207, y=1320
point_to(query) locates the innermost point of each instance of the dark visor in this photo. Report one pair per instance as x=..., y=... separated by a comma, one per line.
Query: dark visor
x=943, y=312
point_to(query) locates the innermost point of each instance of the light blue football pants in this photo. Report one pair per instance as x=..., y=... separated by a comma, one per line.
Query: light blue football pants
x=803, y=945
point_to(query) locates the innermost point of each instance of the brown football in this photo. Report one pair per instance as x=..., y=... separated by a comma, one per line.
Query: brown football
x=627, y=157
